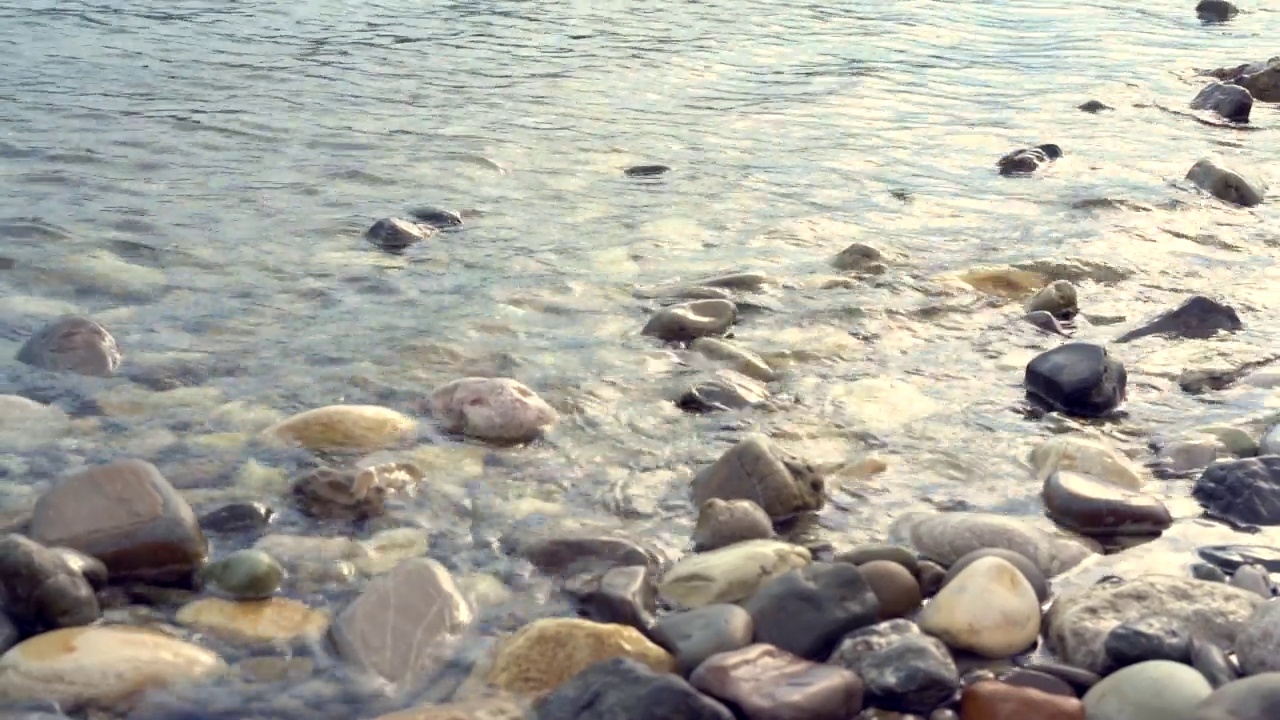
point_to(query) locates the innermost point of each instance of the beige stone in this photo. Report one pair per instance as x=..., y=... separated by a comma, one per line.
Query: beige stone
x=1088, y=456
x=345, y=427
x=989, y=608
x=730, y=574
x=272, y=620
x=99, y=665
x=545, y=653
x=499, y=409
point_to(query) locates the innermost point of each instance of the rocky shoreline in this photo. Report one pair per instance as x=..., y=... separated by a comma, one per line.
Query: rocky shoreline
x=120, y=600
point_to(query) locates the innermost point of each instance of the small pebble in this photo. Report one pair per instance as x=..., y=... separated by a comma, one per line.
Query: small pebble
x=245, y=574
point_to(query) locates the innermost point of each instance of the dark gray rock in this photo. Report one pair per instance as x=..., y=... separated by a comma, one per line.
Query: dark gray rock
x=1206, y=571
x=623, y=689
x=436, y=217
x=1262, y=79
x=1230, y=558
x=40, y=591
x=237, y=517
x=1253, y=578
x=1044, y=320
x=646, y=170
x=1245, y=491
x=1028, y=160
x=72, y=343
x=1017, y=559
x=1077, y=379
x=931, y=577
x=1236, y=186
x=1211, y=11
x=756, y=470
x=725, y=522
x=686, y=322
x=622, y=596
x=1149, y=638
x=1093, y=106
x=1230, y=101
x=695, y=635
x=807, y=611
x=1097, y=508
x=727, y=390
x=1251, y=698
x=1078, y=678
x=863, y=554
x=9, y=633
x=1198, y=317
x=1212, y=662
x=569, y=555
x=765, y=683
x=904, y=670
x=397, y=234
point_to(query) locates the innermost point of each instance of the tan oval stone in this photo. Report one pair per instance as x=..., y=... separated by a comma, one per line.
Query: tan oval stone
x=1086, y=455
x=732, y=573
x=275, y=619
x=345, y=427
x=989, y=608
x=545, y=653
x=499, y=409
x=99, y=665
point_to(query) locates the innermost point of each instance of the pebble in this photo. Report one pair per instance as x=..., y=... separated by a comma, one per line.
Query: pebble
x=1215, y=10
x=757, y=470
x=1094, y=507
x=1078, y=678
x=1212, y=662
x=492, y=409
x=1258, y=645
x=352, y=428
x=896, y=589
x=1078, y=623
x=1089, y=456
x=693, y=636
x=72, y=343
x=1042, y=681
x=646, y=170
x=1232, y=102
x=566, y=555
x=1153, y=637
x=100, y=665
x=1261, y=79
x=931, y=577
x=1253, y=578
x=861, y=258
x=128, y=516
x=737, y=358
x=903, y=669
x=1246, y=491
x=1251, y=698
x=835, y=597
x=1198, y=317
x=730, y=574
x=1057, y=298
x=1226, y=184
x=546, y=653
x=688, y=321
x=392, y=626
x=726, y=390
x=863, y=554
x=946, y=537
x=436, y=217
x=766, y=683
x=1152, y=690
x=1028, y=569
x=39, y=590
x=354, y=493
x=274, y=620
x=237, y=517
x=245, y=574
x=1093, y=106
x=997, y=700
x=621, y=595
x=396, y=234
x=624, y=688
x=1077, y=379
x=725, y=522
x=1028, y=160
x=989, y=609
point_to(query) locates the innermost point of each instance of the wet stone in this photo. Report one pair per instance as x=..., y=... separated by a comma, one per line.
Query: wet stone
x=625, y=688
x=903, y=669
x=1149, y=638
x=273, y=620
x=1046, y=322
x=693, y=636
x=1212, y=662
x=864, y=554
x=756, y=470
x=806, y=612
x=996, y=700
x=436, y=217
x=646, y=170
x=1215, y=10
x=1152, y=690
x=1226, y=184
x=245, y=574
x=1078, y=678
x=494, y=409
x=396, y=234
x=1094, y=507
x=571, y=555
x=1246, y=491
x=1229, y=558
x=730, y=574
x=1253, y=578
x=1206, y=571
x=739, y=359
x=91, y=568
x=860, y=257
x=725, y=522
x=895, y=587
x=1042, y=681
x=126, y=515
x=622, y=596
x=1028, y=160
x=989, y=609
x=9, y=632
x=931, y=577
x=946, y=537
x=765, y=683
x=72, y=344
x=689, y=321
x=1230, y=101
x=237, y=517
x=727, y=390
x=1077, y=379
x=1093, y=106
x=1058, y=299
x=353, y=494
x=1258, y=645
x=40, y=591
x=1198, y=317
x=1024, y=565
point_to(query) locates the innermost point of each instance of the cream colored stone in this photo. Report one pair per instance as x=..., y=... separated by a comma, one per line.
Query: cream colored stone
x=730, y=574
x=272, y=620
x=989, y=608
x=1088, y=456
x=499, y=409
x=345, y=427
x=547, y=652
x=99, y=665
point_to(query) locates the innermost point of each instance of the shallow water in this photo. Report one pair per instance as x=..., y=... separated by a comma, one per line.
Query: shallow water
x=196, y=175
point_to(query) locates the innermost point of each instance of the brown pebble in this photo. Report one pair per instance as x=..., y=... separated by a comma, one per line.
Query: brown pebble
x=931, y=577
x=995, y=700
x=1044, y=682
x=897, y=590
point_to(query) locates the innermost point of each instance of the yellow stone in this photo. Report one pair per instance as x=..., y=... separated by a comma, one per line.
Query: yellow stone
x=1004, y=282
x=345, y=427
x=99, y=665
x=271, y=620
x=545, y=653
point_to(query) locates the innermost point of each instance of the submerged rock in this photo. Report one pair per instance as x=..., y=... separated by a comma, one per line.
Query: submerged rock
x=436, y=217
x=1198, y=317
x=245, y=574
x=396, y=234
x=39, y=590
x=739, y=359
x=1246, y=491
x=353, y=494
x=1096, y=508
x=72, y=343
x=350, y=428
x=1093, y=106
x=494, y=409
x=947, y=537
x=549, y=652
x=725, y=522
x=756, y=470
x=237, y=517
x=624, y=688
x=727, y=390
x=273, y=620
x=691, y=320
x=1230, y=101
x=1028, y=160
x=1261, y=79
x=1215, y=10
x=1226, y=184
x=646, y=170
x=1077, y=379
x=860, y=257
x=1088, y=455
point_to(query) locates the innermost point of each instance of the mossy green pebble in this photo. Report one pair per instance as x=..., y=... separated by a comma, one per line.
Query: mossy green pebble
x=245, y=574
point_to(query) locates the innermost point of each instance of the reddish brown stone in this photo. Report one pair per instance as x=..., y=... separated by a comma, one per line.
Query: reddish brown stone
x=129, y=517
x=766, y=683
x=995, y=700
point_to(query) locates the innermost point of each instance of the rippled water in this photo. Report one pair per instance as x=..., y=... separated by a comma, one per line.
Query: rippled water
x=197, y=175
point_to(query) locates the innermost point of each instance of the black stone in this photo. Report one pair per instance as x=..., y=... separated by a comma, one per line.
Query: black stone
x=621, y=596
x=9, y=633
x=1028, y=160
x=646, y=170
x=904, y=669
x=1230, y=557
x=1197, y=318
x=1230, y=101
x=1095, y=507
x=1206, y=571
x=72, y=343
x=1245, y=491
x=1077, y=379
x=1149, y=638
x=695, y=635
x=1093, y=106
x=1078, y=678
x=1212, y=662
x=1211, y=11
x=436, y=217
x=237, y=517
x=1251, y=698
x=807, y=611
x=40, y=591
x=1025, y=566
x=624, y=689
